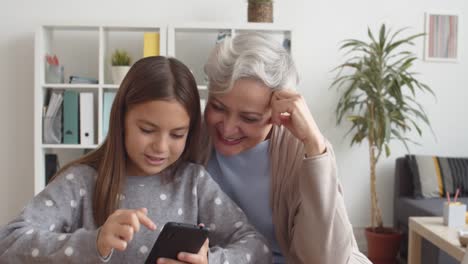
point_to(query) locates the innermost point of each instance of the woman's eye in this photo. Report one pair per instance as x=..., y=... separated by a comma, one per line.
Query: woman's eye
x=217, y=107
x=250, y=120
x=146, y=131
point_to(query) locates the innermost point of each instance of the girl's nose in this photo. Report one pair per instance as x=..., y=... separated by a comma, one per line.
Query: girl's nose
x=160, y=144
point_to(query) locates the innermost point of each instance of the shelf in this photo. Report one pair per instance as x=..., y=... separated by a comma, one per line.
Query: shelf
x=70, y=86
x=130, y=39
x=71, y=28
x=197, y=27
x=86, y=50
x=68, y=146
x=111, y=86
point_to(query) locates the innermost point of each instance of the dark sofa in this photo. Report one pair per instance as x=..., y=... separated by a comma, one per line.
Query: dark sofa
x=405, y=205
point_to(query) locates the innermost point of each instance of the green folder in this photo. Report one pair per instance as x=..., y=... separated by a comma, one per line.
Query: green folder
x=70, y=117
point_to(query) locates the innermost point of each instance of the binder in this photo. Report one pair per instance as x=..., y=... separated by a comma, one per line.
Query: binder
x=70, y=117
x=150, y=44
x=86, y=119
x=106, y=109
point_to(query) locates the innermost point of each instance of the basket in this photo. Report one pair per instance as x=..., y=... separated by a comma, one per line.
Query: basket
x=260, y=12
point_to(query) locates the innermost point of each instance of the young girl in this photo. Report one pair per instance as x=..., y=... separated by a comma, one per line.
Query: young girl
x=111, y=204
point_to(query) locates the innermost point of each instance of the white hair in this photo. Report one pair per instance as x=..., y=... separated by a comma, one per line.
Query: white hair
x=250, y=55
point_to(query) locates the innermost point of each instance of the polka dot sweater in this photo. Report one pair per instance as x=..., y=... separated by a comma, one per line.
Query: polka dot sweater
x=57, y=226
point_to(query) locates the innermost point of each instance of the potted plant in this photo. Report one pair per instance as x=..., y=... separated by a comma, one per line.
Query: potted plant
x=260, y=11
x=378, y=96
x=120, y=65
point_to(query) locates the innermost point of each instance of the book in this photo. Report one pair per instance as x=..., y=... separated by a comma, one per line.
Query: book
x=150, y=44
x=79, y=79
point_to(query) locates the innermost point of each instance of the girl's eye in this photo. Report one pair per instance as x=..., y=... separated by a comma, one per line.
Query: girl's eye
x=178, y=136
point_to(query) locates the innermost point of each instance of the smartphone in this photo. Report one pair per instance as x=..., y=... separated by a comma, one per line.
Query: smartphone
x=175, y=238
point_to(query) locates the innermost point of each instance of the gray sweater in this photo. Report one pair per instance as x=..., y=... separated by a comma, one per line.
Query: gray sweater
x=57, y=226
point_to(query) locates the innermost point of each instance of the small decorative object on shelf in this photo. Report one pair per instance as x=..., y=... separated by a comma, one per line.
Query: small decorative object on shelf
x=120, y=65
x=54, y=71
x=260, y=11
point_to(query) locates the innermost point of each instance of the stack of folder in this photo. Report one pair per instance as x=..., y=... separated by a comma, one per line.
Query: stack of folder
x=78, y=110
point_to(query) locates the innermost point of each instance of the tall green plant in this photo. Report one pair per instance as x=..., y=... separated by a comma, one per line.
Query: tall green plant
x=379, y=97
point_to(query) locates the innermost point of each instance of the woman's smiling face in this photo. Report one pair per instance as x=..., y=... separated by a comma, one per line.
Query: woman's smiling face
x=240, y=118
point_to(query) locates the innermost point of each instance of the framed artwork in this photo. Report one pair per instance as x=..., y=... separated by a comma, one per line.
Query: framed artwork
x=442, y=37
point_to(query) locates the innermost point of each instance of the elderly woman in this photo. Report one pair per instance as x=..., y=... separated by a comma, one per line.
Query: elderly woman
x=267, y=153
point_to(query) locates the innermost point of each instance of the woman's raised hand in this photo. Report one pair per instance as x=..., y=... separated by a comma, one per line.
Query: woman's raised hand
x=290, y=110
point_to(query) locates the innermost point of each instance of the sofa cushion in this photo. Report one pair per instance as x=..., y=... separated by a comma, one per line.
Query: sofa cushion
x=407, y=207
x=434, y=176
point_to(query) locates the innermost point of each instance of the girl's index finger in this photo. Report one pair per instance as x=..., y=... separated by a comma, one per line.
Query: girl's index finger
x=145, y=220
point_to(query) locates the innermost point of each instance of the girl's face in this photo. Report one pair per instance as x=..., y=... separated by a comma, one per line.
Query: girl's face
x=241, y=118
x=155, y=136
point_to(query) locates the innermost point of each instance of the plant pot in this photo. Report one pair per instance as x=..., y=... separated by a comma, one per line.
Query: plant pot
x=118, y=73
x=383, y=245
x=260, y=12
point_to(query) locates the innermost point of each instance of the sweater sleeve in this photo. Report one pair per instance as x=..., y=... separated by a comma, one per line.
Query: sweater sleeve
x=322, y=214
x=49, y=229
x=232, y=238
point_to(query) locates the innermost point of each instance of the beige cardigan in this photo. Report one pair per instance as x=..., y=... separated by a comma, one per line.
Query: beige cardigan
x=309, y=215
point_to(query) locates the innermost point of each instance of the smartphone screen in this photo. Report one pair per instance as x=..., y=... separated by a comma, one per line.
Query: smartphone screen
x=175, y=238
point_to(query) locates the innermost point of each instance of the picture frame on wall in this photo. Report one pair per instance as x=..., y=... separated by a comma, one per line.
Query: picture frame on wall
x=442, y=37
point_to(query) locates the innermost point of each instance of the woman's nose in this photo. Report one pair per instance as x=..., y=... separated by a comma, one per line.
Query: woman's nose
x=229, y=126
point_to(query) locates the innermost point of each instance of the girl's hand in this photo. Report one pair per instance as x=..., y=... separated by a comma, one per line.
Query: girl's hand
x=119, y=228
x=200, y=258
x=290, y=110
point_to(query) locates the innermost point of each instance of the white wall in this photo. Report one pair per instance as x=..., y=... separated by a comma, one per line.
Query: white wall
x=320, y=26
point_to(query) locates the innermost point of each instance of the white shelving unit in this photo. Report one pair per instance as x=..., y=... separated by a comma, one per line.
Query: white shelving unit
x=86, y=51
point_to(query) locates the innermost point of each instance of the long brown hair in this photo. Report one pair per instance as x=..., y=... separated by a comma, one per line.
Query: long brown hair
x=151, y=78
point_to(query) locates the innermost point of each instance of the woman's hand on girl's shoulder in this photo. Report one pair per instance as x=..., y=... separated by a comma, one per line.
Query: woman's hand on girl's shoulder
x=200, y=258
x=119, y=228
x=290, y=109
